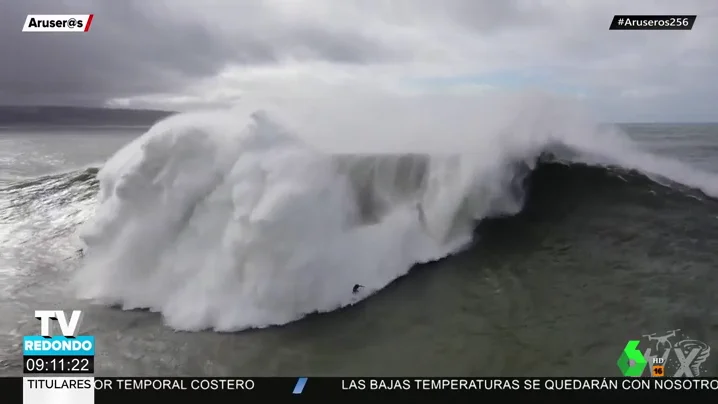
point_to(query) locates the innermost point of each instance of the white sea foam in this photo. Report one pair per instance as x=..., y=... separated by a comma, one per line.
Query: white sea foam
x=259, y=215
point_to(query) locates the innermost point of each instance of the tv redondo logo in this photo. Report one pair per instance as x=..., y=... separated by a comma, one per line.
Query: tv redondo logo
x=669, y=354
x=67, y=343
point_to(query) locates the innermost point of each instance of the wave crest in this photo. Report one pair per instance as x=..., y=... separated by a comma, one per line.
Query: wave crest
x=241, y=219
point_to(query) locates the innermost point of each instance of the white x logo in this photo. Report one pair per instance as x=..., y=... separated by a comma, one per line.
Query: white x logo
x=685, y=362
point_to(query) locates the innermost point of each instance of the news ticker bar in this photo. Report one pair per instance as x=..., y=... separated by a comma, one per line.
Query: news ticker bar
x=89, y=390
x=652, y=22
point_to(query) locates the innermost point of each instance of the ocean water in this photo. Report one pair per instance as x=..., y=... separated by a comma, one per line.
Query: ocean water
x=211, y=239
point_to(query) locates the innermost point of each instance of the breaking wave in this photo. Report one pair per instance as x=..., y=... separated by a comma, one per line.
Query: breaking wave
x=253, y=217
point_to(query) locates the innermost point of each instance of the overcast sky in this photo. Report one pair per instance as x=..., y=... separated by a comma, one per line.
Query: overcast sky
x=180, y=54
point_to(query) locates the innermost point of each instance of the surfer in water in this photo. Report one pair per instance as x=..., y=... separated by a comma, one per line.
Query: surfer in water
x=422, y=215
x=357, y=288
x=80, y=253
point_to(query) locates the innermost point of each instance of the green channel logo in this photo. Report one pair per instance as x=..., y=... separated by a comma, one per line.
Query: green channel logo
x=631, y=362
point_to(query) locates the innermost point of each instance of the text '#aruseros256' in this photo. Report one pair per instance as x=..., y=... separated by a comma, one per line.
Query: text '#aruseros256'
x=652, y=22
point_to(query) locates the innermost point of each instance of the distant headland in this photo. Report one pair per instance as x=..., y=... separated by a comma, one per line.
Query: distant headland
x=41, y=116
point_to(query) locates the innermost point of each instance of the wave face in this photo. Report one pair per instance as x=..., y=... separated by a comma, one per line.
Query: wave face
x=254, y=217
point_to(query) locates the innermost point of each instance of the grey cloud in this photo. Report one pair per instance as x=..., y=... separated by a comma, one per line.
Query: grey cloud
x=124, y=53
x=491, y=15
x=135, y=49
x=482, y=16
x=341, y=47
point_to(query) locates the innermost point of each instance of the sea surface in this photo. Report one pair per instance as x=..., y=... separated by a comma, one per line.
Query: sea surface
x=598, y=256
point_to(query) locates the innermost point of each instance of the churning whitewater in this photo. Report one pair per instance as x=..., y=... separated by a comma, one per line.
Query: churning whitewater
x=258, y=216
